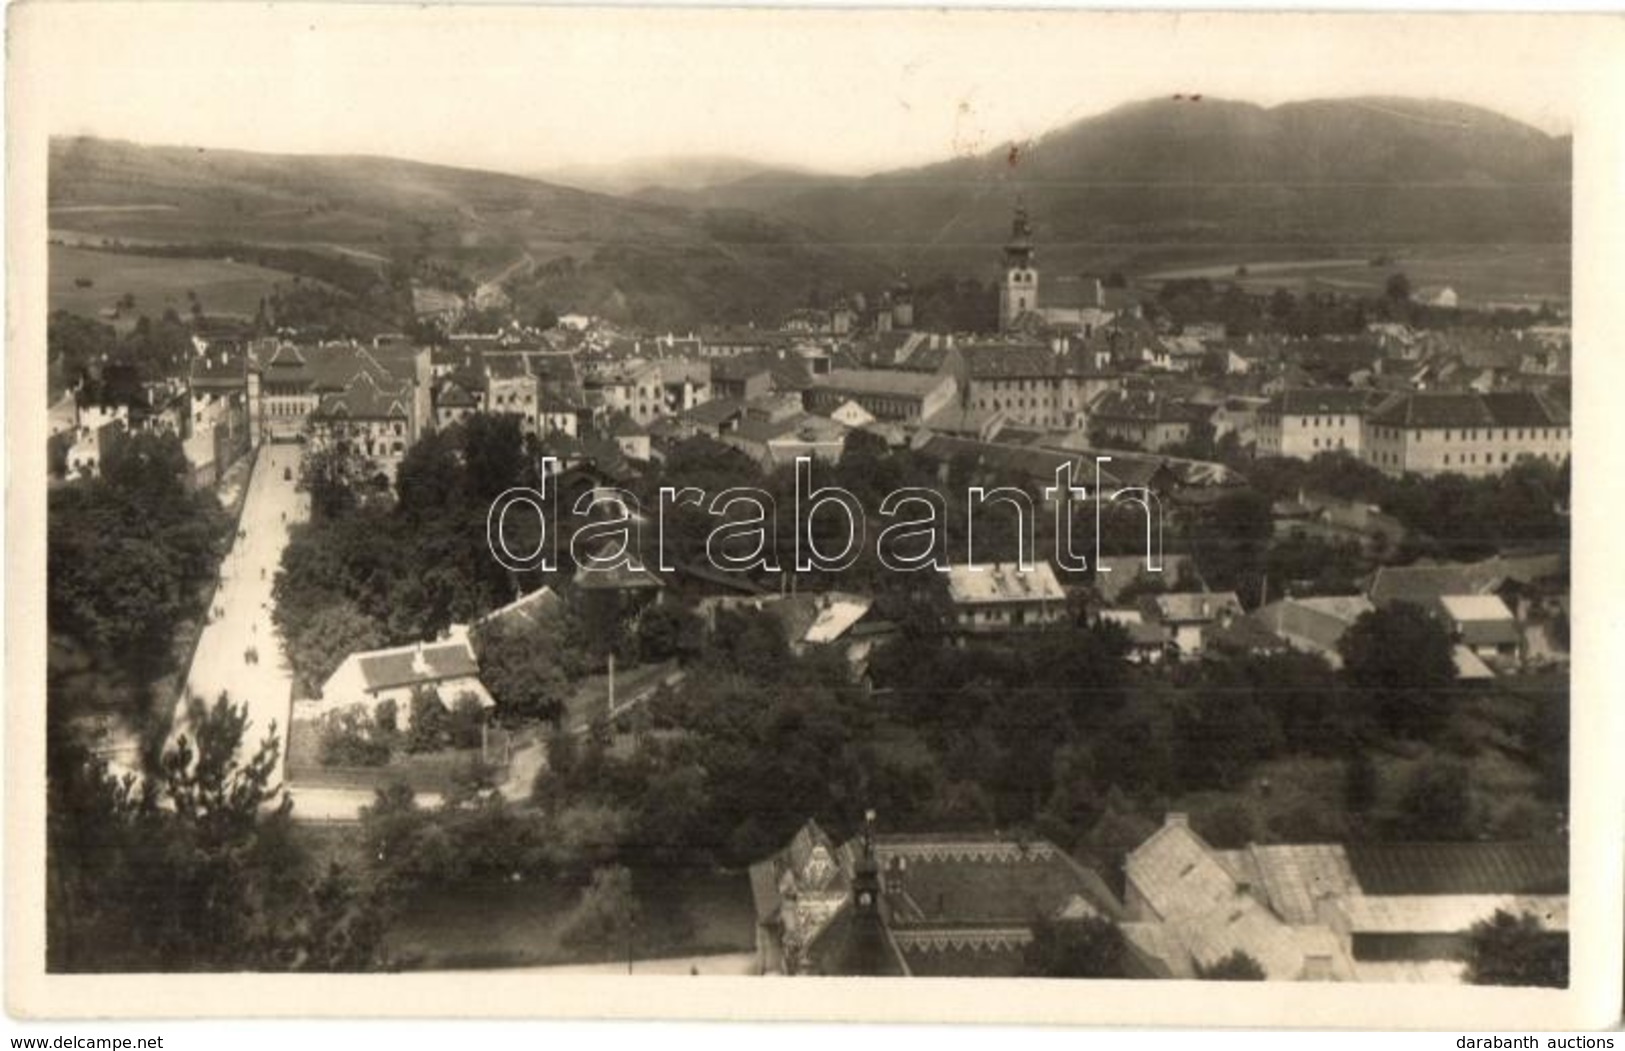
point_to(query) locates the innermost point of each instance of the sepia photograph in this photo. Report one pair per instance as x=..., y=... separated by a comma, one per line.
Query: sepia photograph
x=536, y=495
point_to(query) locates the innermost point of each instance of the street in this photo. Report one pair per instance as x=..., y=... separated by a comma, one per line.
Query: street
x=239, y=652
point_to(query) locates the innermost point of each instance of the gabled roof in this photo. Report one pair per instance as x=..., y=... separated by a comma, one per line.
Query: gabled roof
x=1139, y=406
x=1460, y=868
x=715, y=412
x=1203, y=904
x=1193, y=607
x=1318, y=401
x=419, y=665
x=528, y=611
x=1434, y=409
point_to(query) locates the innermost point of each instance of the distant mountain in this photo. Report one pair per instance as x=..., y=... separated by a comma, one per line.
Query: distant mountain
x=649, y=262
x=1183, y=179
x=722, y=239
x=676, y=176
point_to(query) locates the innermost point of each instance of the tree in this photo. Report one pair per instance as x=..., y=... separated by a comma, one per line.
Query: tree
x=1400, y=660
x=332, y=634
x=605, y=918
x=670, y=631
x=1437, y=802
x=192, y=866
x=430, y=726
x=1398, y=287
x=1237, y=967
x=1087, y=948
x=531, y=666
x=334, y=476
x=1360, y=782
x=1509, y=949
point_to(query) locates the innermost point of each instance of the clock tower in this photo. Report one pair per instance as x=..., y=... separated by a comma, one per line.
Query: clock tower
x=1019, y=292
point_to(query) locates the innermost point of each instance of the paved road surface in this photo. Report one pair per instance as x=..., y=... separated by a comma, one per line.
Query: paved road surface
x=243, y=599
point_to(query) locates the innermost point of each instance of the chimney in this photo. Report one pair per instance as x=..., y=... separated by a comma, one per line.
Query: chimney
x=1176, y=819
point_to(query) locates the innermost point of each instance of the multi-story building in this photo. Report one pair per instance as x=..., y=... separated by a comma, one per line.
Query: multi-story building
x=1005, y=597
x=1431, y=433
x=1145, y=417
x=1304, y=422
x=905, y=397
x=1039, y=385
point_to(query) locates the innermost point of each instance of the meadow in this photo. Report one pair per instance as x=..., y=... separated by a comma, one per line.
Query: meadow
x=224, y=288
x=1479, y=274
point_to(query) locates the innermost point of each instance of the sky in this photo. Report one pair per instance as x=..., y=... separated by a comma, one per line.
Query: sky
x=531, y=90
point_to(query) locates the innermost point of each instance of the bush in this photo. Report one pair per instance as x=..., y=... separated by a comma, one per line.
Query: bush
x=465, y=722
x=429, y=731
x=1237, y=967
x=350, y=738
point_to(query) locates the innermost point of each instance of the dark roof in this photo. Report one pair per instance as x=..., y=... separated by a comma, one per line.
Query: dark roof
x=1143, y=406
x=1318, y=401
x=432, y=663
x=715, y=412
x=1460, y=868
x=1440, y=409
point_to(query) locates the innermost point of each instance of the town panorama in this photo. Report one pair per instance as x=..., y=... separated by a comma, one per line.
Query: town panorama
x=1242, y=653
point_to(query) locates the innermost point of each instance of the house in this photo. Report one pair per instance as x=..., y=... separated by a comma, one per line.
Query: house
x=1115, y=573
x=458, y=396
x=1412, y=907
x=631, y=438
x=1039, y=384
x=1185, y=615
x=1147, y=642
x=1190, y=909
x=1313, y=625
x=1005, y=597
x=1430, y=433
x=907, y=397
x=924, y=904
x=740, y=378
x=371, y=416
x=1369, y=912
x=369, y=679
x=1303, y=422
x=1483, y=624
x=1145, y=418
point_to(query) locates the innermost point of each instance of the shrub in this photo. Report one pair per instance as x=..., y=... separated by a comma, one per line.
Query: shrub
x=350, y=738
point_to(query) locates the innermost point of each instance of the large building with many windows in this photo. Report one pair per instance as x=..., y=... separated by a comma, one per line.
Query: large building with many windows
x=1303, y=423
x=1429, y=433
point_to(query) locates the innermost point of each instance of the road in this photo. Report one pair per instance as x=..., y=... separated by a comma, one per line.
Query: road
x=240, y=614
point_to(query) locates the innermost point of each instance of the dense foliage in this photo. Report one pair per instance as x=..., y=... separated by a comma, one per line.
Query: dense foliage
x=129, y=556
x=193, y=866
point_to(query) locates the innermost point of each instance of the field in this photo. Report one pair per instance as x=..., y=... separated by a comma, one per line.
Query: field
x=1524, y=274
x=224, y=288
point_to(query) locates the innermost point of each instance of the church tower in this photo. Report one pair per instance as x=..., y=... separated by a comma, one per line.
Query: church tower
x=1019, y=292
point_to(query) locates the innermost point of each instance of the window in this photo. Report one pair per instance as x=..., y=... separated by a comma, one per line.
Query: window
x=1417, y=436
x=1447, y=459
x=1446, y=435
x=1305, y=421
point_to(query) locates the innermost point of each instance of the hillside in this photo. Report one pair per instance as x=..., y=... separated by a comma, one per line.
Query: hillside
x=1165, y=181
x=652, y=263
x=652, y=178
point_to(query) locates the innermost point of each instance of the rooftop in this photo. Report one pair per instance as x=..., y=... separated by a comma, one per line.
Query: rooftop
x=879, y=381
x=1460, y=868
x=1004, y=582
